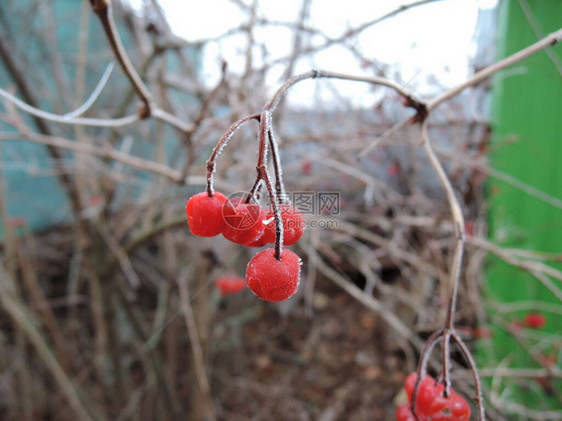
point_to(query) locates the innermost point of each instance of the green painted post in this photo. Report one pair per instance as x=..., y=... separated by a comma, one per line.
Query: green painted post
x=527, y=144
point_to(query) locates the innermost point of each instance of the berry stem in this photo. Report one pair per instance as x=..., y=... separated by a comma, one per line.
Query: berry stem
x=272, y=104
x=254, y=191
x=422, y=366
x=458, y=221
x=445, y=351
x=276, y=212
x=427, y=350
x=211, y=163
x=474, y=369
x=265, y=123
x=279, y=186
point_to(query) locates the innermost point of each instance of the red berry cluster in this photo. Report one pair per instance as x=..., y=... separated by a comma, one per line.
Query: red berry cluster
x=431, y=403
x=245, y=222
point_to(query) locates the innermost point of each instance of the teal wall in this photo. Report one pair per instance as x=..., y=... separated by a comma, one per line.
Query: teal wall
x=33, y=192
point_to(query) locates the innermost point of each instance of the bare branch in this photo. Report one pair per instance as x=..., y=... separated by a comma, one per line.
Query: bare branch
x=104, y=11
x=484, y=74
x=66, y=119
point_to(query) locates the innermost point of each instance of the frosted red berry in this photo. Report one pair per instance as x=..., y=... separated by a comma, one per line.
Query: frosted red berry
x=230, y=285
x=243, y=222
x=293, y=225
x=271, y=279
x=534, y=320
x=204, y=214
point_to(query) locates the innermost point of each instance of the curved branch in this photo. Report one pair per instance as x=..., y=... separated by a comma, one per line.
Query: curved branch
x=66, y=119
x=211, y=163
x=104, y=10
x=95, y=93
x=316, y=74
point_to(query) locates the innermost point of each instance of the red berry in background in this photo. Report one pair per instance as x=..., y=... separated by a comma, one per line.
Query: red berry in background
x=534, y=320
x=95, y=200
x=293, y=225
x=204, y=214
x=469, y=228
x=230, y=285
x=394, y=169
x=17, y=222
x=482, y=332
x=306, y=167
x=243, y=222
x=271, y=279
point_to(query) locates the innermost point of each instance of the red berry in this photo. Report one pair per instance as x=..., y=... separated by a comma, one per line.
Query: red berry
x=459, y=407
x=260, y=242
x=230, y=284
x=430, y=401
x=95, y=200
x=483, y=332
x=293, y=225
x=469, y=227
x=534, y=320
x=404, y=413
x=243, y=221
x=455, y=408
x=409, y=385
x=305, y=168
x=271, y=279
x=17, y=222
x=204, y=214
x=427, y=401
x=394, y=169
x=427, y=391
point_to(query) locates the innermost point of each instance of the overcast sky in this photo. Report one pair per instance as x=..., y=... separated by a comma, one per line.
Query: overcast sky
x=434, y=40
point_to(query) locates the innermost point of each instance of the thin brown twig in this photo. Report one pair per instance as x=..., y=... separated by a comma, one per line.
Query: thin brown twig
x=104, y=11
x=350, y=33
x=475, y=375
x=107, y=151
x=196, y=349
